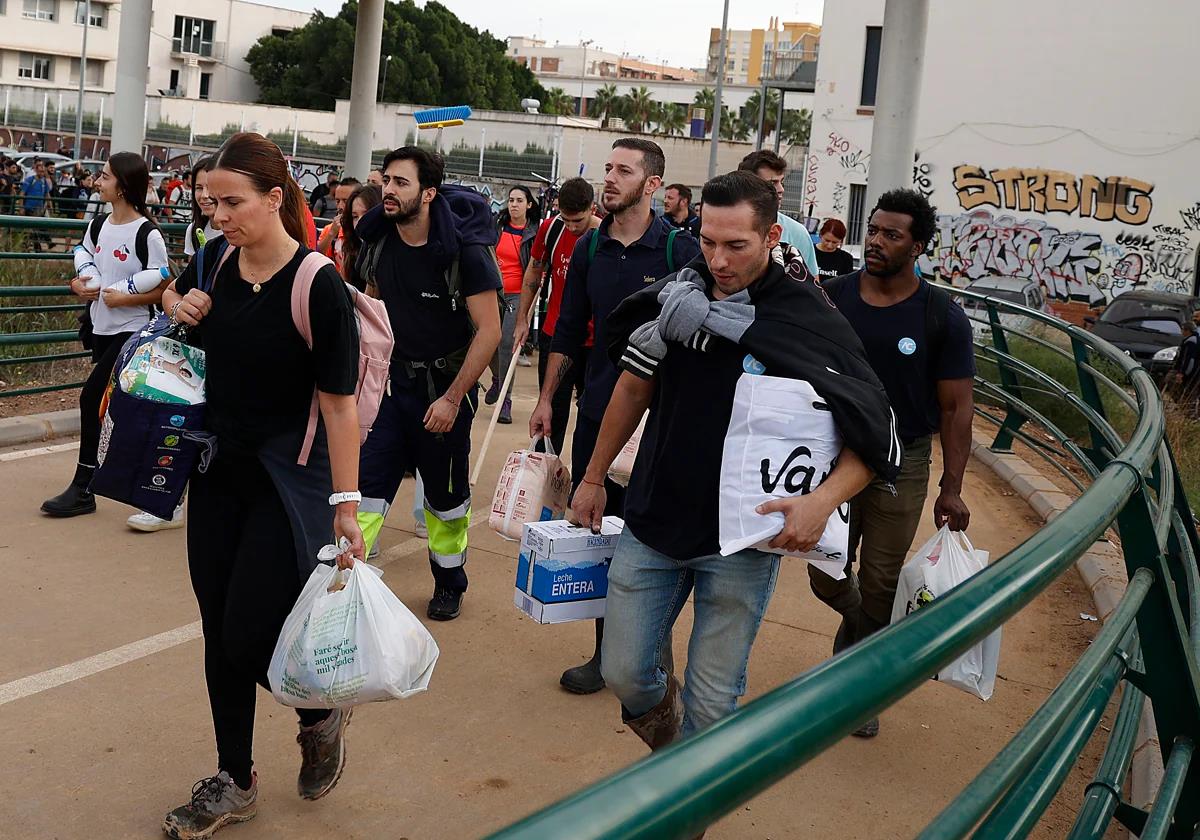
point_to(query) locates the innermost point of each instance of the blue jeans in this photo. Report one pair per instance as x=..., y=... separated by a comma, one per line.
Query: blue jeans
x=647, y=590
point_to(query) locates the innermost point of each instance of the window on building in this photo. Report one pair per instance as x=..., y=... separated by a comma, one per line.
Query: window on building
x=858, y=202
x=205, y=85
x=3, y=7
x=33, y=66
x=549, y=65
x=870, y=66
x=40, y=9
x=175, y=80
x=97, y=14
x=193, y=35
x=280, y=33
x=95, y=72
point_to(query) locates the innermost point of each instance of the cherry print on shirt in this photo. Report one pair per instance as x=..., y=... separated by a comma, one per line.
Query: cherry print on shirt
x=121, y=253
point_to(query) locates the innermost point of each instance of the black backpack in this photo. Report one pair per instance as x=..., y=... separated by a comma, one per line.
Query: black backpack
x=141, y=245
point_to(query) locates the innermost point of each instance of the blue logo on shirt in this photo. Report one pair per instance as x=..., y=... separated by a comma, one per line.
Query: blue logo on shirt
x=753, y=366
x=177, y=420
x=907, y=346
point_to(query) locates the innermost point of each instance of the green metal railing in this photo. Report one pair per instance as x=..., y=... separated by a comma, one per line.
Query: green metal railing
x=1150, y=644
x=61, y=251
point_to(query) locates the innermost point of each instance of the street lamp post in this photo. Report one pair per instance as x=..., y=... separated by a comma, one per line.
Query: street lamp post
x=87, y=21
x=716, y=120
x=387, y=60
x=582, y=76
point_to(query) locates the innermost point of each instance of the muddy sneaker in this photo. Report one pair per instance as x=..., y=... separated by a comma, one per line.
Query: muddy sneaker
x=149, y=523
x=445, y=604
x=322, y=754
x=868, y=730
x=216, y=803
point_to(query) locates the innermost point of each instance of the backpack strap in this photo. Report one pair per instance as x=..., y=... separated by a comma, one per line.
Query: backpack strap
x=367, y=264
x=593, y=243
x=671, y=250
x=552, y=236
x=141, y=242
x=224, y=250
x=312, y=263
x=937, y=317
x=454, y=283
x=94, y=228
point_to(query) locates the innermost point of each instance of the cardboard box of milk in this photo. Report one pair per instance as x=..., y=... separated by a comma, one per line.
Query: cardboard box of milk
x=562, y=570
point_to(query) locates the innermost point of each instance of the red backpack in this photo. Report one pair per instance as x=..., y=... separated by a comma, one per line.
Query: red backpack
x=374, y=346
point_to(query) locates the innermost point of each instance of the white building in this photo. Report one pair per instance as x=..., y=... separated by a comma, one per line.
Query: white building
x=1048, y=155
x=196, y=50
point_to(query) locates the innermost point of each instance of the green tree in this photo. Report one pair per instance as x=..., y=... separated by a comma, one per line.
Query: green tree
x=671, y=119
x=559, y=102
x=796, y=127
x=733, y=127
x=437, y=60
x=749, y=111
x=604, y=103
x=705, y=97
x=637, y=107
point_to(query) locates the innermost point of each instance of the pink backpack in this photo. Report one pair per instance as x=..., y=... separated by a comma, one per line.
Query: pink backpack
x=374, y=346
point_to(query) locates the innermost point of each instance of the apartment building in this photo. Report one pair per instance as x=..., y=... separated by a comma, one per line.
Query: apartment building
x=748, y=51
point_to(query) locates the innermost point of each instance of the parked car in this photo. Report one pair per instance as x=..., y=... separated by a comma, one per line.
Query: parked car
x=90, y=164
x=26, y=159
x=1010, y=289
x=1147, y=325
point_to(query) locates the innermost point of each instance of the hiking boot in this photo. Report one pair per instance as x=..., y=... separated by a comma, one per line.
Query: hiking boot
x=420, y=528
x=322, y=754
x=445, y=604
x=493, y=393
x=216, y=802
x=148, y=522
x=506, y=412
x=586, y=678
x=77, y=499
x=868, y=730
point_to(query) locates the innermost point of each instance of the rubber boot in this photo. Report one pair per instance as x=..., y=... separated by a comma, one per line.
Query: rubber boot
x=77, y=499
x=659, y=727
x=586, y=678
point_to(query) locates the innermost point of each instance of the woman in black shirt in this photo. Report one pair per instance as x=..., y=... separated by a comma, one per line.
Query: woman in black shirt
x=832, y=261
x=257, y=517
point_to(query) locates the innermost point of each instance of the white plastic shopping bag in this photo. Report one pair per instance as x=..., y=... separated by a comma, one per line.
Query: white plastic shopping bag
x=782, y=442
x=941, y=564
x=533, y=487
x=348, y=641
x=622, y=465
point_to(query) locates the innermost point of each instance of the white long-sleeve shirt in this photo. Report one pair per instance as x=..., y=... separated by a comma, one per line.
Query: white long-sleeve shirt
x=113, y=263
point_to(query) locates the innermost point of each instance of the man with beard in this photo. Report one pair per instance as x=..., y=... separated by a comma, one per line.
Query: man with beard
x=427, y=254
x=626, y=253
x=919, y=344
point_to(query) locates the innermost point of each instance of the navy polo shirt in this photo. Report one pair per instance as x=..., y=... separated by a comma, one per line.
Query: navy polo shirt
x=593, y=291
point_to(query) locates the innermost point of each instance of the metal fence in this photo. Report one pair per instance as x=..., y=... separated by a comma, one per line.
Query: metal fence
x=1150, y=644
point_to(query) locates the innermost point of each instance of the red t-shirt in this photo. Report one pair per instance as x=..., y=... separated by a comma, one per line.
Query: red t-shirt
x=560, y=260
x=508, y=252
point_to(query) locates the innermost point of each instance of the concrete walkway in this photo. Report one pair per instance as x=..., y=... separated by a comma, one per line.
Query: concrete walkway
x=106, y=725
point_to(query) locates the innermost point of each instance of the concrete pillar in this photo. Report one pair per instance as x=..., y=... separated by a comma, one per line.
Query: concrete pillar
x=717, y=95
x=897, y=96
x=133, y=58
x=364, y=82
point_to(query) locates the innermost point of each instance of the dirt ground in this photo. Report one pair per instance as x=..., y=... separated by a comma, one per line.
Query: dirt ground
x=109, y=744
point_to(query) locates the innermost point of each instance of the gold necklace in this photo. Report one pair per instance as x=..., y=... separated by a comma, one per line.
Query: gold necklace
x=257, y=287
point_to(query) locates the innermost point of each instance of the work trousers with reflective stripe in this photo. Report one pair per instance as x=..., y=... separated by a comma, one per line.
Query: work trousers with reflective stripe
x=399, y=444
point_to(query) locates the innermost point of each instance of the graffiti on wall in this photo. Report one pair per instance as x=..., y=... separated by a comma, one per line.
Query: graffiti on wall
x=309, y=175
x=1070, y=265
x=1118, y=197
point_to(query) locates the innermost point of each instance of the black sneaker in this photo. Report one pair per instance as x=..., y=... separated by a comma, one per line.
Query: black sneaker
x=216, y=802
x=445, y=604
x=322, y=754
x=870, y=729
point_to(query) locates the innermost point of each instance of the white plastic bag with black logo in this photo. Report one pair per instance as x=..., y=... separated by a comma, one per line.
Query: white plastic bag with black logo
x=349, y=640
x=942, y=563
x=782, y=442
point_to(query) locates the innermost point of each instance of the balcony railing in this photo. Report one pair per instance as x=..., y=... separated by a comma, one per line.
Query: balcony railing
x=203, y=50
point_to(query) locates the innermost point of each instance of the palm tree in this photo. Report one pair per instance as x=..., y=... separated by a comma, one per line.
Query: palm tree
x=705, y=99
x=671, y=119
x=751, y=108
x=796, y=127
x=604, y=102
x=733, y=127
x=559, y=102
x=638, y=108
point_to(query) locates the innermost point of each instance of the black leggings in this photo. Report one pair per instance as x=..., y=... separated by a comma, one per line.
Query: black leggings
x=105, y=349
x=242, y=559
x=560, y=403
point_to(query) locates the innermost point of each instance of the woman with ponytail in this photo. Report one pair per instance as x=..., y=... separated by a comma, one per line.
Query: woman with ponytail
x=256, y=517
x=201, y=228
x=121, y=270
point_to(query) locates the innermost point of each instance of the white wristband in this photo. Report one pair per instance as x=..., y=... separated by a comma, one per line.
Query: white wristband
x=351, y=496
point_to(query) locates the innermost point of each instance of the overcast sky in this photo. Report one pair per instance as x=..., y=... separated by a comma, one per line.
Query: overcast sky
x=671, y=31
